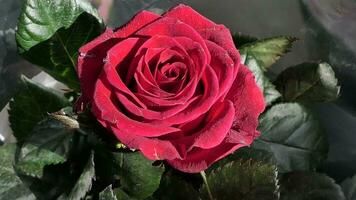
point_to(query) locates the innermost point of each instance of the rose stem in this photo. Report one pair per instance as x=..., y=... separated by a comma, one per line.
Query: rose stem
x=203, y=175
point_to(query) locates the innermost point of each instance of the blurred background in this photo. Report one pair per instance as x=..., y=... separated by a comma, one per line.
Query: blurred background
x=326, y=30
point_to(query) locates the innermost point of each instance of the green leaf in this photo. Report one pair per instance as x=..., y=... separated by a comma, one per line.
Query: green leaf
x=139, y=178
x=262, y=156
x=121, y=195
x=57, y=181
x=268, y=51
x=40, y=19
x=11, y=186
x=309, y=186
x=293, y=135
x=269, y=92
x=84, y=182
x=245, y=153
x=243, y=179
x=107, y=194
x=175, y=188
x=259, y=56
x=241, y=40
x=106, y=165
x=51, y=32
x=349, y=188
x=53, y=141
x=33, y=159
x=308, y=82
x=31, y=105
x=60, y=135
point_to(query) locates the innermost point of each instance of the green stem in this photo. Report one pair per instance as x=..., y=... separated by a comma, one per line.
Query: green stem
x=203, y=175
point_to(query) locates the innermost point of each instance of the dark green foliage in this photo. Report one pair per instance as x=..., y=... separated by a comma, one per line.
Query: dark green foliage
x=268, y=51
x=269, y=91
x=308, y=82
x=138, y=177
x=51, y=32
x=241, y=40
x=243, y=179
x=349, y=188
x=309, y=186
x=293, y=135
x=174, y=187
x=32, y=104
x=11, y=186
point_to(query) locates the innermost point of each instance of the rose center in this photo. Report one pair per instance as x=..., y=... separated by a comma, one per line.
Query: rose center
x=174, y=70
x=170, y=77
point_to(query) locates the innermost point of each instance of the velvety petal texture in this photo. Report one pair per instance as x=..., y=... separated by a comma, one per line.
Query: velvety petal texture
x=171, y=86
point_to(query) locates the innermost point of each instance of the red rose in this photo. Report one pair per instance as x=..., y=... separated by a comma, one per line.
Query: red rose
x=172, y=86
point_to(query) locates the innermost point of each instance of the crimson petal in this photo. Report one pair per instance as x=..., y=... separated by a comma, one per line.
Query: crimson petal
x=91, y=55
x=248, y=101
x=152, y=148
x=198, y=159
x=104, y=109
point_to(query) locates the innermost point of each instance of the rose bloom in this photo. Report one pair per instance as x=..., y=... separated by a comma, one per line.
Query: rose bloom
x=173, y=87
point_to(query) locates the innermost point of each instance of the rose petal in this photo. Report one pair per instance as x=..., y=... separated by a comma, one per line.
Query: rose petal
x=117, y=58
x=248, y=101
x=186, y=93
x=174, y=83
x=151, y=101
x=157, y=41
x=202, y=104
x=218, y=34
x=207, y=29
x=173, y=28
x=189, y=16
x=221, y=36
x=147, y=114
x=223, y=66
x=104, y=109
x=217, y=124
x=144, y=85
x=241, y=137
x=152, y=148
x=198, y=159
x=138, y=21
x=196, y=54
x=90, y=60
